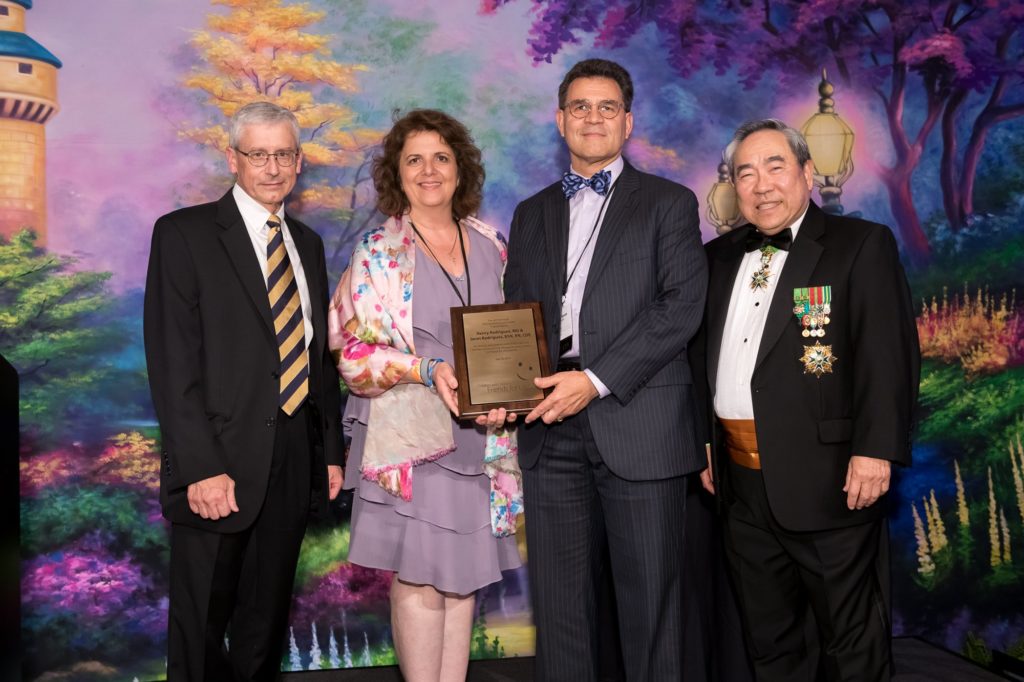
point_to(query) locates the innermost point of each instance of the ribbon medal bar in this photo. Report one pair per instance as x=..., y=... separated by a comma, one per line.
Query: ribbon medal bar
x=812, y=307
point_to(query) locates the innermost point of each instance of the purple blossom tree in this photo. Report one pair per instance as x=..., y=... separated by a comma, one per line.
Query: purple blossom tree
x=950, y=49
x=347, y=587
x=73, y=601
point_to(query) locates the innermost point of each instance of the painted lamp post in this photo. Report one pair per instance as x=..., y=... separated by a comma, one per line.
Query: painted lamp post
x=830, y=139
x=723, y=211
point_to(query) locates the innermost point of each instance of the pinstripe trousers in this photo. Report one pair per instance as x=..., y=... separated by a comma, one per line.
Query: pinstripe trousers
x=575, y=506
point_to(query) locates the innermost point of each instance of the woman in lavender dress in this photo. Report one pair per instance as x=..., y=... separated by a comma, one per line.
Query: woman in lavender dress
x=436, y=498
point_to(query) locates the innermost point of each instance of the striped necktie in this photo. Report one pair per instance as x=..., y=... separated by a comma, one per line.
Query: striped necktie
x=286, y=309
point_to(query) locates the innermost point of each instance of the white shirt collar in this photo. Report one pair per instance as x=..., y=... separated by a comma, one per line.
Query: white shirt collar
x=254, y=214
x=614, y=168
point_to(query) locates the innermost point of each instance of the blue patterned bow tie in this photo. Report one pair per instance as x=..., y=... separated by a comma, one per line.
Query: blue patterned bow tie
x=572, y=183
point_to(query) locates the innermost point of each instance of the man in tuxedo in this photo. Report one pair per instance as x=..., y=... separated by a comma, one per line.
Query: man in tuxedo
x=248, y=403
x=614, y=257
x=813, y=363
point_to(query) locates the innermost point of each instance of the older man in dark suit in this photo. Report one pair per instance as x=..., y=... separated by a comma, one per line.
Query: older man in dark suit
x=813, y=364
x=248, y=403
x=614, y=256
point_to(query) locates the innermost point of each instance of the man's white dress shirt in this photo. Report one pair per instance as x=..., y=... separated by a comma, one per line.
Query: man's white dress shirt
x=587, y=210
x=744, y=326
x=254, y=215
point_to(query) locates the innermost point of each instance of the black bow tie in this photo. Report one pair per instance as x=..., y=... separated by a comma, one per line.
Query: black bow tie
x=755, y=240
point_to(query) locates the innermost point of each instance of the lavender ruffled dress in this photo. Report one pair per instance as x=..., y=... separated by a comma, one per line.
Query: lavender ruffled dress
x=442, y=537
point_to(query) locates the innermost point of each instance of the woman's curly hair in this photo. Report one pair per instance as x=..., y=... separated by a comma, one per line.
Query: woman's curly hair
x=391, y=200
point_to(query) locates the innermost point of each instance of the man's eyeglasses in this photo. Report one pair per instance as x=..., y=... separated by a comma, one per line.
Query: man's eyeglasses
x=285, y=158
x=608, y=108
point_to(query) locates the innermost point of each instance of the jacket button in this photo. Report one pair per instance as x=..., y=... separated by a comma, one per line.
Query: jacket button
x=271, y=421
x=275, y=374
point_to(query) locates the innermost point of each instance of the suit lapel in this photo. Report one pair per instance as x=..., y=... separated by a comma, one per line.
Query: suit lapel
x=614, y=225
x=239, y=247
x=726, y=266
x=803, y=257
x=556, y=233
x=306, y=247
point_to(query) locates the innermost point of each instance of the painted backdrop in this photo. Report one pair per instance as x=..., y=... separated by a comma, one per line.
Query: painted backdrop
x=931, y=90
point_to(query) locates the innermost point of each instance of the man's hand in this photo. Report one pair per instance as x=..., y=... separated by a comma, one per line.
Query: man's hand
x=496, y=418
x=867, y=479
x=446, y=383
x=335, y=477
x=213, y=498
x=572, y=392
x=707, y=477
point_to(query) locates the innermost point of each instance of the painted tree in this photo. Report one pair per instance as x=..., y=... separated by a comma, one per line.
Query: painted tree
x=348, y=586
x=950, y=50
x=60, y=329
x=261, y=51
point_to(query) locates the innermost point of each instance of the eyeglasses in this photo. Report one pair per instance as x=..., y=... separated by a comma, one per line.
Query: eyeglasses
x=608, y=108
x=285, y=158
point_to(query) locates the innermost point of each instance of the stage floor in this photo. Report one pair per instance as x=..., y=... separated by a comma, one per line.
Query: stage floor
x=916, y=661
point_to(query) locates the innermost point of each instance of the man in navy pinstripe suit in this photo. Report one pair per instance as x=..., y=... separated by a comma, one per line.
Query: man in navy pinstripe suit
x=614, y=256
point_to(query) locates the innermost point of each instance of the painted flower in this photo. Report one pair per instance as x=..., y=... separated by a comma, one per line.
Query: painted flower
x=130, y=459
x=49, y=469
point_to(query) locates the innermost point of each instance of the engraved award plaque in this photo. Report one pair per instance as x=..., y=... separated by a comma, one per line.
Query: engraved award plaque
x=499, y=350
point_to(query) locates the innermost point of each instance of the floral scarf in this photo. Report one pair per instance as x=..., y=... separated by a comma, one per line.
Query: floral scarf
x=371, y=337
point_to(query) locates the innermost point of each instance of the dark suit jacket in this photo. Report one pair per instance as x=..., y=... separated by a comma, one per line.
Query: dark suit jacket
x=808, y=427
x=213, y=359
x=642, y=303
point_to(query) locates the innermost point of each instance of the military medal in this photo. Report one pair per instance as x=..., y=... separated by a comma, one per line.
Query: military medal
x=812, y=307
x=759, y=280
x=818, y=359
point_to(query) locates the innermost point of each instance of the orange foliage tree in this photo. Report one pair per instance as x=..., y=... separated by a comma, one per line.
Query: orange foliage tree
x=260, y=51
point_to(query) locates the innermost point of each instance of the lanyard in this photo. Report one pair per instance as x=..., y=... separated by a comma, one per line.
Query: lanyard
x=593, y=230
x=465, y=264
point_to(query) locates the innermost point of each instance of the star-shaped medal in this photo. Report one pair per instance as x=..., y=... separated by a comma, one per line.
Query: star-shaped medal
x=759, y=280
x=818, y=359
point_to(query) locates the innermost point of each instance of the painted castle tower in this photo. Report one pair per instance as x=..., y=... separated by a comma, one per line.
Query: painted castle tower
x=28, y=99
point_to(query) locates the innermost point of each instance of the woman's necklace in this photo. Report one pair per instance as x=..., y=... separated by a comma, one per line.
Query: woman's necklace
x=465, y=263
x=452, y=258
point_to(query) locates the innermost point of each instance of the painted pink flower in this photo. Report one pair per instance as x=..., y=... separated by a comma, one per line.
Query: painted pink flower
x=505, y=483
x=357, y=351
x=92, y=584
x=48, y=469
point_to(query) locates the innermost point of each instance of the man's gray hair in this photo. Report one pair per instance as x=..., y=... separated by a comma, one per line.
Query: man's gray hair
x=256, y=113
x=794, y=137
